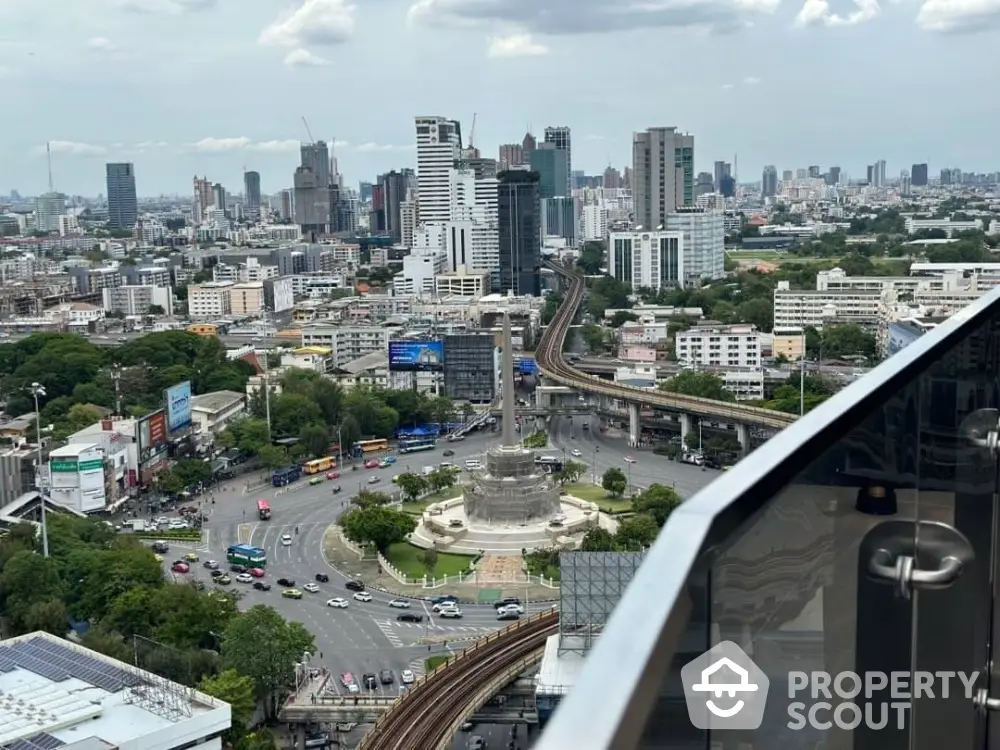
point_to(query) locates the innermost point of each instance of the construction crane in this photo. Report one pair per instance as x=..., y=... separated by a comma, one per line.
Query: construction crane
x=308, y=131
x=472, y=133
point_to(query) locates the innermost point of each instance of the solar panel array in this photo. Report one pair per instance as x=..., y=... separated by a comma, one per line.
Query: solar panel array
x=57, y=663
x=41, y=741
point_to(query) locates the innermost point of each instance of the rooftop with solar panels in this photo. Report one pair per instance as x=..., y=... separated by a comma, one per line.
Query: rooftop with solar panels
x=56, y=694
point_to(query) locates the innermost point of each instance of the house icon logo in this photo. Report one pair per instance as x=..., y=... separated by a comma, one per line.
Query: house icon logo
x=724, y=689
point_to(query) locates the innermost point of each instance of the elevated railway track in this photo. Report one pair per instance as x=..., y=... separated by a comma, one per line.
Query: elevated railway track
x=549, y=355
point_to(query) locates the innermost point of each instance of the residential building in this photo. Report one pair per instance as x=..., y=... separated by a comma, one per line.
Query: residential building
x=407, y=222
x=246, y=299
x=388, y=195
x=94, y=280
x=719, y=346
x=439, y=143
x=202, y=198
x=518, y=216
x=652, y=260
x=559, y=138
x=769, y=182
x=123, y=206
x=511, y=155
x=211, y=300
x=314, y=358
x=312, y=201
x=316, y=158
x=251, y=189
x=918, y=175
x=17, y=472
x=794, y=308
x=662, y=174
x=136, y=299
x=419, y=271
x=371, y=369
x=470, y=366
x=949, y=226
x=788, y=342
x=461, y=285
x=212, y=412
x=49, y=208
x=704, y=241
x=278, y=295
x=346, y=342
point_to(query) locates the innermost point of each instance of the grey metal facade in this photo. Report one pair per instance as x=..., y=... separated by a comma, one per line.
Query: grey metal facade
x=123, y=206
x=469, y=367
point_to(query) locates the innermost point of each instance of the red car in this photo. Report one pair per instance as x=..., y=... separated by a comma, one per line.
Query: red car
x=180, y=567
x=256, y=572
x=333, y=475
x=371, y=463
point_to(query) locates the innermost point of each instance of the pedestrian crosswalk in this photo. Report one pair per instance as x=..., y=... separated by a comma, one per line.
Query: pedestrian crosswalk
x=453, y=628
x=387, y=630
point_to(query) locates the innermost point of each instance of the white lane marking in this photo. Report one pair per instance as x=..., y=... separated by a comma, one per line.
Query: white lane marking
x=387, y=630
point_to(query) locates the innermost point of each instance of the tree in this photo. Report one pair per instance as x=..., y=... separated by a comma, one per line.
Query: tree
x=594, y=338
x=272, y=456
x=429, y=558
x=591, y=257
x=315, y=438
x=636, y=533
x=369, y=499
x=412, y=485
x=700, y=384
x=572, y=471
x=156, y=310
x=191, y=471
x=441, y=479
x=658, y=502
x=109, y=574
x=597, y=539
x=29, y=584
x=270, y=669
x=77, y=418
x=614, y=481
x=378, y=526
x=259, y=740
x=238, y=691
x=290, y=412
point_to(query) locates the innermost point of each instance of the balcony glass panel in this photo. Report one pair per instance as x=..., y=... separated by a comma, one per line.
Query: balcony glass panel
x=777, y=554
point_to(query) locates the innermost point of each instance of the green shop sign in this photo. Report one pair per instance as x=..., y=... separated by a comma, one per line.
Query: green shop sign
x=92, y=465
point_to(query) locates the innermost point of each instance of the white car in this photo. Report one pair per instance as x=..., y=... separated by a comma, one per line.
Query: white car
x=286, y=540
x=312, y=588
x=362, y=596
x=406, y=677
x=451, y=612
x=337, y=602
x=400, y=603
x=443, y=606
x=576, y=453
x=629, y=460
x=504, y=608
x=244, y=578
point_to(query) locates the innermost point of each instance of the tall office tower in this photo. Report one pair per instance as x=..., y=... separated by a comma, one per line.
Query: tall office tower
x=769, y=181
x=439, y=144
x=312, y=202
x=612, y=178
x=287, y=204
x=948, y=177
x=560, y=138
x=559, y=218
x=528, y=143
x=202, y=198
x=814, y=172
x=552, y=165
x=628, y=177
x=871, y=174
x=49, y=209
x=391, y=187
x=704, y=242
x=519, y=230
x=219, y=196
x=662, y=174
x=511, y=155
x=703, y=184
x=316, y=156
x=905, y=184
x=123, y=207
x=728, y=186
x=721, y=171
x=786, y=175
x=251, y=190
x=918, y=175
x=833, y=176
x=800, y=174
x=878, y=172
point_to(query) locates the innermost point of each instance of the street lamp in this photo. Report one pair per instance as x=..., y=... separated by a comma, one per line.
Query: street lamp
x=37, y=390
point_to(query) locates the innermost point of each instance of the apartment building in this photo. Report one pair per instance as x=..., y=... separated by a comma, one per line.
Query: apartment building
x=246, y=299
x=719, y=346
x=704, y=242
x=211, y=300
x=794, y=308
x=461, y=284
x=949, y=226
x=653, y=260
x=136, y=299
x=347, y=343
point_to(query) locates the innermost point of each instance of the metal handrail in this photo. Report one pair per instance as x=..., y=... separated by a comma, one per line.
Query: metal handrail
x=623, y=675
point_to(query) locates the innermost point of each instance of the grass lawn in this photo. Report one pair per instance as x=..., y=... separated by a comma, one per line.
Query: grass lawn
x=418, y=508
x=594, y=493
x=408, y=560
x=433, y=662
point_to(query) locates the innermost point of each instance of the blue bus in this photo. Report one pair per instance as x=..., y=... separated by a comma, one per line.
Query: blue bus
x=289, y=474
x=417, y=444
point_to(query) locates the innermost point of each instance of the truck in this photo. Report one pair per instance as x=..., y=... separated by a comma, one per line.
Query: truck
x=695, y=459
x=247, y=556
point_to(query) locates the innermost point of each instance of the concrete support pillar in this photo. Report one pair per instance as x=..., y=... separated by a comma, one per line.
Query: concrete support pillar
x=633, y=425
x=300, y=735
x=743, y=435
x=685, y=426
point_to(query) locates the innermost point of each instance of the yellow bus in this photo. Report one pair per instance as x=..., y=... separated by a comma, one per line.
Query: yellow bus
x=370, y=446
x=319, y=464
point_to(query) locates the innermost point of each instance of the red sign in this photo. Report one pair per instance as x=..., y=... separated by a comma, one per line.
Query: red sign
x=133, y=480
x=157, y=429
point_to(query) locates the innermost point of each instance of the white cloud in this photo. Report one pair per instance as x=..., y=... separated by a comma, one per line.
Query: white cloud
x=242, y=143
x=303, y=58
x=145, y=145
x=173, y=7
x=101, y=43
x=73, y=148
x=372, y=147
x=959, y=16
x=751, y=80
x=818, y=13
x=314, y=23
x=726, y=86
x=275, y=146
x=516, y=45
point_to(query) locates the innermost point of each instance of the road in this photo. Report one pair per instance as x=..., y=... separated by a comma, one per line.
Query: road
x=232, y=342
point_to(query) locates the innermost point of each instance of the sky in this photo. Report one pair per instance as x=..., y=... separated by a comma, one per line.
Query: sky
x=210, y=87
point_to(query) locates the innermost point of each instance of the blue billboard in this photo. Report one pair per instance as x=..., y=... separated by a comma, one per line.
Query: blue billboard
x=527, y=366
x=179, y=406
x=414, y=356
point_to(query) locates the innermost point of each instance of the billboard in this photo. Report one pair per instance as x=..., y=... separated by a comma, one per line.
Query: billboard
x=151, y=436
x=415, y=356
x=179, y=406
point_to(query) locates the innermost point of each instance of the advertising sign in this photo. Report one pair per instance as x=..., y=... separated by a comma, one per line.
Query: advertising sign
x=179, y=406
x=151, y=436
x=413, y=356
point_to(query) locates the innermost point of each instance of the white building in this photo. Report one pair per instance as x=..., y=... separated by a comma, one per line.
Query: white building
x=76, y=477
x=153, y=276
x=949, y=226
x=407, y=222
x=136, y=300
x=704, y=242
x=719, y=346
x=647, y=259
x=593, y=222
x=347, y=342
x=212, y=412
x=210, y=300
x=419, y=269
x=461, y=285
x=438, y=143
x=795, y=308
x=57, y=693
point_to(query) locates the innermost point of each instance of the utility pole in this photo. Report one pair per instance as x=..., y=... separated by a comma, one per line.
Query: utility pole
x=267, y=405
x=116, y=376
x=802, y=376
x=37, y=390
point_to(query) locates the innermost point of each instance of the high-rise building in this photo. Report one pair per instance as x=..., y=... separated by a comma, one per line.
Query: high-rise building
x=287, y=209
x=787, y=175
x=528, y=143
x=721, y=171
x=316, y=156
x=703, y=184
x=651, y=259
x=814, y=172
x=833, y=176
x=518, y=220
x=311, y=202
x=388, y=194
x=219, y=196
x=251, y=189
x=704, y=242
x=511, y=155
x=918, y=175
x=560, y=138
x=202, y=198
x=552, y=165
x=49, y=209
x=439, y=143
x=769, y=181
x=662, y=174
x=123, y=206
x=905, y=183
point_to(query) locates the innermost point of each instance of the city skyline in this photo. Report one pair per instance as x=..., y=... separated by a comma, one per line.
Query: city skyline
x=157, y=99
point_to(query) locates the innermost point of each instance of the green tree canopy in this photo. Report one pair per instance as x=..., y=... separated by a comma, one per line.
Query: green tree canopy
x=378, y=526
x=701, y=384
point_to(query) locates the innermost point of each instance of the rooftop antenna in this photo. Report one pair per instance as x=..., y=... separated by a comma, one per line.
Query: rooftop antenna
x=48, y=157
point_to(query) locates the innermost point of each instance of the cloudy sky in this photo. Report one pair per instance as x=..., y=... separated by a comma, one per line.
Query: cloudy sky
x=209, y=86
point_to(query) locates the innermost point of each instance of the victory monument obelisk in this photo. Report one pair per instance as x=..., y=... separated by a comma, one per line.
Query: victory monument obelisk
x=511, y=489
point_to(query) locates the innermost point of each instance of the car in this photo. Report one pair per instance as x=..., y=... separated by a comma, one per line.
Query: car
x=410, y=617
x=386, y=676
x=363, y=596
x=445, y=605
x=337, y=603
x=244, y=578
x=400, y=603
x=337, y=489
x=444, y=598
x=629, y=460
x=407, y=677
x=373, y=480
x=256, y=572
x=371, y=463
x=477, y=743
x=355, y=585
x=333, y=475
x=316, y=480
x=237, y=568
x=510, y=608
x=508, y=614
x=286, y=540
x=322, y=578
x=211, y=564
x=292, y=594
x=312, y=588
x=576, y=452
x=180, y=567
x=370, y=680
x=217, y=573
x=506, y=601
x=261, y=586
x=347, y=680
x=288, y=583
x=191, y=557
x=453, y=613
x=161, y=547
x=448, y=453
x=223, y=580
